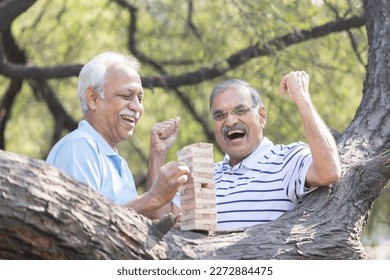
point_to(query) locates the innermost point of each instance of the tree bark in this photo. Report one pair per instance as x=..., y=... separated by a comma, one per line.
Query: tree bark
x=369, y=133
x=47, y=215
x=44, y=214
x=11, y=9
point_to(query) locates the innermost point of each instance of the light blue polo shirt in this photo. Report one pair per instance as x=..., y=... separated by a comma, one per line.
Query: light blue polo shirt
x=85, y=155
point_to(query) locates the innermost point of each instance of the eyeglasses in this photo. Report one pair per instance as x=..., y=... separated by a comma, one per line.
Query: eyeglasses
x=238, y=111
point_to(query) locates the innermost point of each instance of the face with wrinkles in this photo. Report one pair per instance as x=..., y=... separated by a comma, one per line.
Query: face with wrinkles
x=238, y=125
x=116, y=115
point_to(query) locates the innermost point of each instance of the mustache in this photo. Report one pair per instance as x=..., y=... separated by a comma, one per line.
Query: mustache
x=129, y=112
x=237, y=126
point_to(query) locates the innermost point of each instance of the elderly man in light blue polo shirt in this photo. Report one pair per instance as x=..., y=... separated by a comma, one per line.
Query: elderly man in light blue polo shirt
x=111, y=94
x=258, y=181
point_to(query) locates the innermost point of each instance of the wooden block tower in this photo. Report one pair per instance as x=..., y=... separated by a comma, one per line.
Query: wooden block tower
x=198, y=203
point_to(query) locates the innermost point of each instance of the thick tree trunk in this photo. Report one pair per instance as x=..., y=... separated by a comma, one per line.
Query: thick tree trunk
x=46, y=215
x=369, y=133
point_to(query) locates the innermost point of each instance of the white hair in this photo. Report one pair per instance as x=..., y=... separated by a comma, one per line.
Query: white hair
x=239, y=85
x=94, y=73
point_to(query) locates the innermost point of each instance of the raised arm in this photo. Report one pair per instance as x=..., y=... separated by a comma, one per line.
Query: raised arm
x=325, y=168
x=162, y=137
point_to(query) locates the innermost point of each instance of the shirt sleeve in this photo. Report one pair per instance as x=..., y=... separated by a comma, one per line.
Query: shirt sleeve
x=299, y=160
x=79, y=159
x=176, y=199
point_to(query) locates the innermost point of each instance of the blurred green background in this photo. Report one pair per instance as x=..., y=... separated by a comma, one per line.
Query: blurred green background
x=177, y=37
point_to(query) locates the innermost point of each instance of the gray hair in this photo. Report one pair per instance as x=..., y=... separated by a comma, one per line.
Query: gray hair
x=239, y=85
x=94, y=73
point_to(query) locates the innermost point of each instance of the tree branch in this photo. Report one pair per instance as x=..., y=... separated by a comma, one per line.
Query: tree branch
x=11, y=9
x=354, y=44
x=160, y=68
x=198, y=117
x=6, y=105
x=46, y=214
x=14, y=54
x=256, y=50
x=202, y=74
x=62, y=119
x=190, y=23
x=40, y=87
x=38, y=204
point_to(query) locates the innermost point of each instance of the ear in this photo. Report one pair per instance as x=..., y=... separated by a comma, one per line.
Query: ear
x=263, y=116
x=92, y=98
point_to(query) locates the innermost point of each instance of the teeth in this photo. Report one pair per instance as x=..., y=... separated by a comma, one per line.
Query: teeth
x=235, y=131
x=128, y=118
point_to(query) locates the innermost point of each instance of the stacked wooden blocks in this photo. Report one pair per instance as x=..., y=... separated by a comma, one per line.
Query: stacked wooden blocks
x=198, y=203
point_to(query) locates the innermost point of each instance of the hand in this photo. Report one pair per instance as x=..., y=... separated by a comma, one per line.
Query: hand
x=164, y=134
x=169, y=178
x=296, y=84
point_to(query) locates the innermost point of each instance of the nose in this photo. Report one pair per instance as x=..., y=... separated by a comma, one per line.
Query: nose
x=231, y=118
x=136, y=106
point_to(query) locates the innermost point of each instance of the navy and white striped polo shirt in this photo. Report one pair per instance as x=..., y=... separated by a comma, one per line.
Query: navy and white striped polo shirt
x=263, y=186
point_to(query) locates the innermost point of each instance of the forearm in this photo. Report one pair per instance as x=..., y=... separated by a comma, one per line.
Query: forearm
x=148, y=205
x=166, y=209
x=155, y=161
x=326, y=166
x=162, y=136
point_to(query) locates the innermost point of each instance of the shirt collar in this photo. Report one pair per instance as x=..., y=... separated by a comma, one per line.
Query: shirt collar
x=103, y=144
x=252, y=160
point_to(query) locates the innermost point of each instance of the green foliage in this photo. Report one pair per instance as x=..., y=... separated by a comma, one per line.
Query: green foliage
x=30, y=126
x=65, y=32
x=377, y=230
x=70, y=31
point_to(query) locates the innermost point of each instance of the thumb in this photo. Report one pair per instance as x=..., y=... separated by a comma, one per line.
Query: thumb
x=177, y=122
x=283, y=86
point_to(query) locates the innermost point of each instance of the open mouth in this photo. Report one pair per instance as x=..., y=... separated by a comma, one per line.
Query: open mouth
x=235, y=134
x=129, y=119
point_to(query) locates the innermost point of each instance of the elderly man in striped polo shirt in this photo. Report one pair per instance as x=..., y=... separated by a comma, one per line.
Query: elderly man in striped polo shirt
x=258, y=181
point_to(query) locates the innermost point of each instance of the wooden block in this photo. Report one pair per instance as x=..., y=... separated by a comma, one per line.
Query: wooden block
x=202, y=150
x=202, y=211
x=188, y=192
x=198, y=197
x=197, y=192
x=191, y=204
x=198, y=171
x=200, y=217
x=196, y=225
x=209, y=193
x=200, y=214
x=198, y=162
x=191, y=155
x=197, y=177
